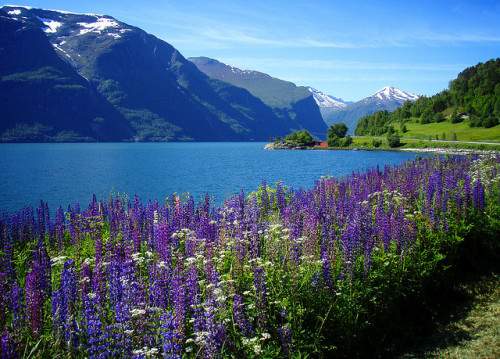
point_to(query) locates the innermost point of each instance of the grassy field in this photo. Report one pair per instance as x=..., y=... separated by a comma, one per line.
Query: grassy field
x=462, y=131
x=367, y=143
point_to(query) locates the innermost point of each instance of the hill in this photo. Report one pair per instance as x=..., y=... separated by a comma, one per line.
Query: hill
x=84, y=77
x=293, y=104
x=473, y=98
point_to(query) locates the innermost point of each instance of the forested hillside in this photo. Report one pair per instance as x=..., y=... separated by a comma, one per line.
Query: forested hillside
x=473, y=97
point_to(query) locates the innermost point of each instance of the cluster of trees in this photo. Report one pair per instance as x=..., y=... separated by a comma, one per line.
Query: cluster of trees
x=336, y=136
x=301, y=137
x=474, y=97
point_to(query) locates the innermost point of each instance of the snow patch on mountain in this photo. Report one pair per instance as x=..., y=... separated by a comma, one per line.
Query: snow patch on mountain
x=98, y=26
x=54, y=19
x=51, y=25
x=325, y=101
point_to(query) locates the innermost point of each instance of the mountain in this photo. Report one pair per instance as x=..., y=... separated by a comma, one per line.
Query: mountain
x=328, y=105
x=327, y=102
x=293, y=104
x=387, y=98
x=86, y=77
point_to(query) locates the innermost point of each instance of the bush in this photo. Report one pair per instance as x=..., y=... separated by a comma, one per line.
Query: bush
x=489, y=122
x=346, y=142
x=394, y=141
x=333, y=141
x=376, y=143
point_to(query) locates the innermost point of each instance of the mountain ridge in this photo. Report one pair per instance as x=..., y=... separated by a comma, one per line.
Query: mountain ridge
x=293, y=104
x=91, y=77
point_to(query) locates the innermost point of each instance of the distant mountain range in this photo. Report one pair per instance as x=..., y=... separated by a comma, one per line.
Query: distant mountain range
x=336, y=110
x=293, y=104
x=82, y=77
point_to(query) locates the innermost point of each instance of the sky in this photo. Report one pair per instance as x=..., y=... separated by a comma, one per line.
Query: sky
x=347, y=49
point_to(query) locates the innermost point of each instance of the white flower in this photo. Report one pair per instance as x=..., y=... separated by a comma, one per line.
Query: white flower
x=257, y=349
x=58, y=260
x=266, y=336
x=137, y=312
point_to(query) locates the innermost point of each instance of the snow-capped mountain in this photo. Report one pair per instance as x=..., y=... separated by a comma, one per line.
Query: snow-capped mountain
x=327, y=102
x=390, y=93
x=387, y=98
x=87, y=77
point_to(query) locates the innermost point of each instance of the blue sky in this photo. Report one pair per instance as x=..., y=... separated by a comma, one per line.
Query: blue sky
x=347, y=49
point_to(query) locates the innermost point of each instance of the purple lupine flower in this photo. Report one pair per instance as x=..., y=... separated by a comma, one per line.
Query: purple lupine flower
x=8, y=346
x=35, y=298
x=92, y=329
x=169, y=337
x=286, y=335
x=240, y=317
x=261, y=297
x=64, y=307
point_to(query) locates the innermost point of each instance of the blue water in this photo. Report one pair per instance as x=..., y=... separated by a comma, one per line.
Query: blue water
x=61, y=173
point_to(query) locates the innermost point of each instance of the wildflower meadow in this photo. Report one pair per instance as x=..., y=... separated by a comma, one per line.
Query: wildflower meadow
x=332, y=271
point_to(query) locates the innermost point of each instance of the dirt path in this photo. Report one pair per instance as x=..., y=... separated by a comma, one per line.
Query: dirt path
x=475, y=335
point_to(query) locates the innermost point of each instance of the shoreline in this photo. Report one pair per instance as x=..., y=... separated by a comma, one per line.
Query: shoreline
x=436, y=150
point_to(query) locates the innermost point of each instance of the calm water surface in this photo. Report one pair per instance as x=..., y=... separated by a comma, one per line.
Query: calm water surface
x=61, y=174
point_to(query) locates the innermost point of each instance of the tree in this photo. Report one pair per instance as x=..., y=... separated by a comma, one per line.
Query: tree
x=455, y=118
x=489, y=122
x=346, y=142
x=394, y=141
x=339, y=130
x=426, y=116
x=439, y=117
x=303, y=137
x=333, y=141
x=404, y=129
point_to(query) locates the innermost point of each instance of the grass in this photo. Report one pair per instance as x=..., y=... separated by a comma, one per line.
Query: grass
x=366, y=142
x=462, y=131
x=471, y=331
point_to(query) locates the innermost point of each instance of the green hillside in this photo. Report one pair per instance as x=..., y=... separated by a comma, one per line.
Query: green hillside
x=468, y=111
x=293, y=104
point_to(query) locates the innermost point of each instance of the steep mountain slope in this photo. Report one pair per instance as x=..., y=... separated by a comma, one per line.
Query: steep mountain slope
x=293, y=104
x=42, y=97
x=328, y=105
x=68, y=76
x=387, y=98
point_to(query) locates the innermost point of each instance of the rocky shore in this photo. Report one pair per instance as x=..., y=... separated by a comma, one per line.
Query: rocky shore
x=286, y=146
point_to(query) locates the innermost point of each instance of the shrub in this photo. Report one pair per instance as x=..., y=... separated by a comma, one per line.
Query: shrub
x=376, y=143
x=346, y=142
x=489, y=122
x=333, y=141
x=394, y=141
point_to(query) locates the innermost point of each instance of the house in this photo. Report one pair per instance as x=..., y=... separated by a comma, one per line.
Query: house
x=320, y=144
